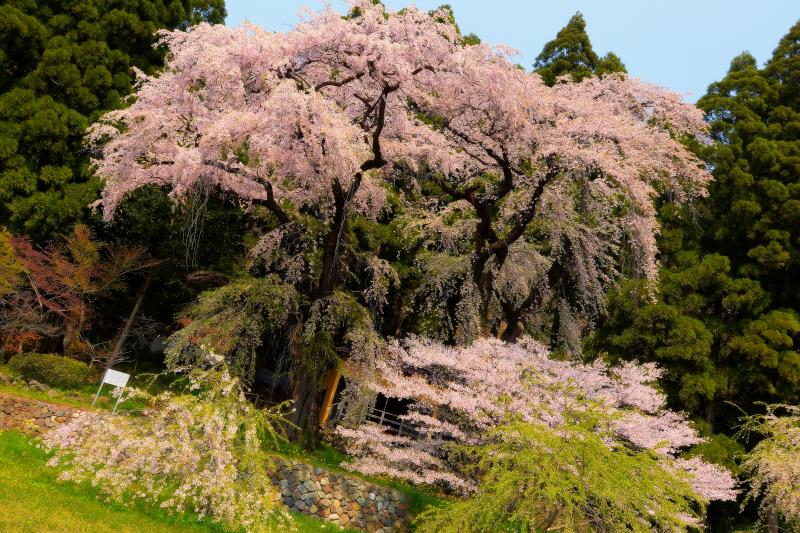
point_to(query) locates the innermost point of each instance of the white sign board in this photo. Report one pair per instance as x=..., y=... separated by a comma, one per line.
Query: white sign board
x=118, y=379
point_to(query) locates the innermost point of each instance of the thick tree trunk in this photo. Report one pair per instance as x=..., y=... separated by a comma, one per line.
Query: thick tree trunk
x=305, y=389
x=773, y=524
x=483, y=277
x=305, y=416
x=512, y=332
x=482, y=280
x=126, y=330
x=515, y=316
x=336, y=235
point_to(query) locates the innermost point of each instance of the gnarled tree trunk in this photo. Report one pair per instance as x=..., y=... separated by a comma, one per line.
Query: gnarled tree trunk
x=306, y=398
x=306, y=393
x=773, y=522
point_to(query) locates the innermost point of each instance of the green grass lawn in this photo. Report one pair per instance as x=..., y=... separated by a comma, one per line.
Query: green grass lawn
x=32, y=500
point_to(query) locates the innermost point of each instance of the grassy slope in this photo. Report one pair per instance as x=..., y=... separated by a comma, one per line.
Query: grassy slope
x=32, y=500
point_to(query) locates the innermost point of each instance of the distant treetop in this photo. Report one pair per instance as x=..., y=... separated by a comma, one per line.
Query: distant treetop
x=571, y=53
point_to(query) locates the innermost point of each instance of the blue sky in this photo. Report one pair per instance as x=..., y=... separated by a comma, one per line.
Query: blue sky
x=683, y=45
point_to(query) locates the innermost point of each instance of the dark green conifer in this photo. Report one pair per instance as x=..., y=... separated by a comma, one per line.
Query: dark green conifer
x=571, y=53
x=62, y=63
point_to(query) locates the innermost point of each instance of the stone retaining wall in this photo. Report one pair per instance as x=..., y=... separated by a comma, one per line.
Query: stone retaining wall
x=348, y=501
x=344, y=500
x=32, y=416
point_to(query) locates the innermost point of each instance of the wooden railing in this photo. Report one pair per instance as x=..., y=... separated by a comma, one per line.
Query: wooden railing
x=391, y=421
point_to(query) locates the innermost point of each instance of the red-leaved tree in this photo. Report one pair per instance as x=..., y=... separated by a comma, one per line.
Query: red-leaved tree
x=57, y=288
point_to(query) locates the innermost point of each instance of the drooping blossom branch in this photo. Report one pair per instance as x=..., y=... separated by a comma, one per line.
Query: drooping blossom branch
x=772, y=467
x=459, y=393
x=198, y=450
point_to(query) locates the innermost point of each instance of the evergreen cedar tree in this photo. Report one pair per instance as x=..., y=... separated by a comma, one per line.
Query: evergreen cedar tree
x=726, y=327
x=63, y=63
x=571, y=53
x=346, y=119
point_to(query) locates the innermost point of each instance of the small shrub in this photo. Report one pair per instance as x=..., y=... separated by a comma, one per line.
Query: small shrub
x=50, y=369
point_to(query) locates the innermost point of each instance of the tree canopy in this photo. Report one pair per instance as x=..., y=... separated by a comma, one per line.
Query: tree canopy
x=311, y=125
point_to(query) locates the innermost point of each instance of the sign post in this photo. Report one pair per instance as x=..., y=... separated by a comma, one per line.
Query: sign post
x=115, y=378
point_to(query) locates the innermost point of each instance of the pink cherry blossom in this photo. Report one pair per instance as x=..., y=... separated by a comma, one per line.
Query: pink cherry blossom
x=461, y=392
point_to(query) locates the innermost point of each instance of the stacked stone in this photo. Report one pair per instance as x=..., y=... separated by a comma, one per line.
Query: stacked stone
x=32, y=416
x=349, y=502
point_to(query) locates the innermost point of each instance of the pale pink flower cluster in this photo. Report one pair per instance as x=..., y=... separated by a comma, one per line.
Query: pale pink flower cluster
x=705, y=479
x=461, y=392
x=773, y=465
x=200, y=453
x=379, y=453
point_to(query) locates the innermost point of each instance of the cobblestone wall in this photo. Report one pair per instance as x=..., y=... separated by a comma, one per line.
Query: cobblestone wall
x=344, y=500
x=31, y=416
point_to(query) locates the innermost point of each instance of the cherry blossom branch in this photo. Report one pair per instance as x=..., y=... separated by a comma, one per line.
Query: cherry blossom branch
x=377, y=160
x=464, y=137
x=269, y=202
x=526, y=215
x=332, y=83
